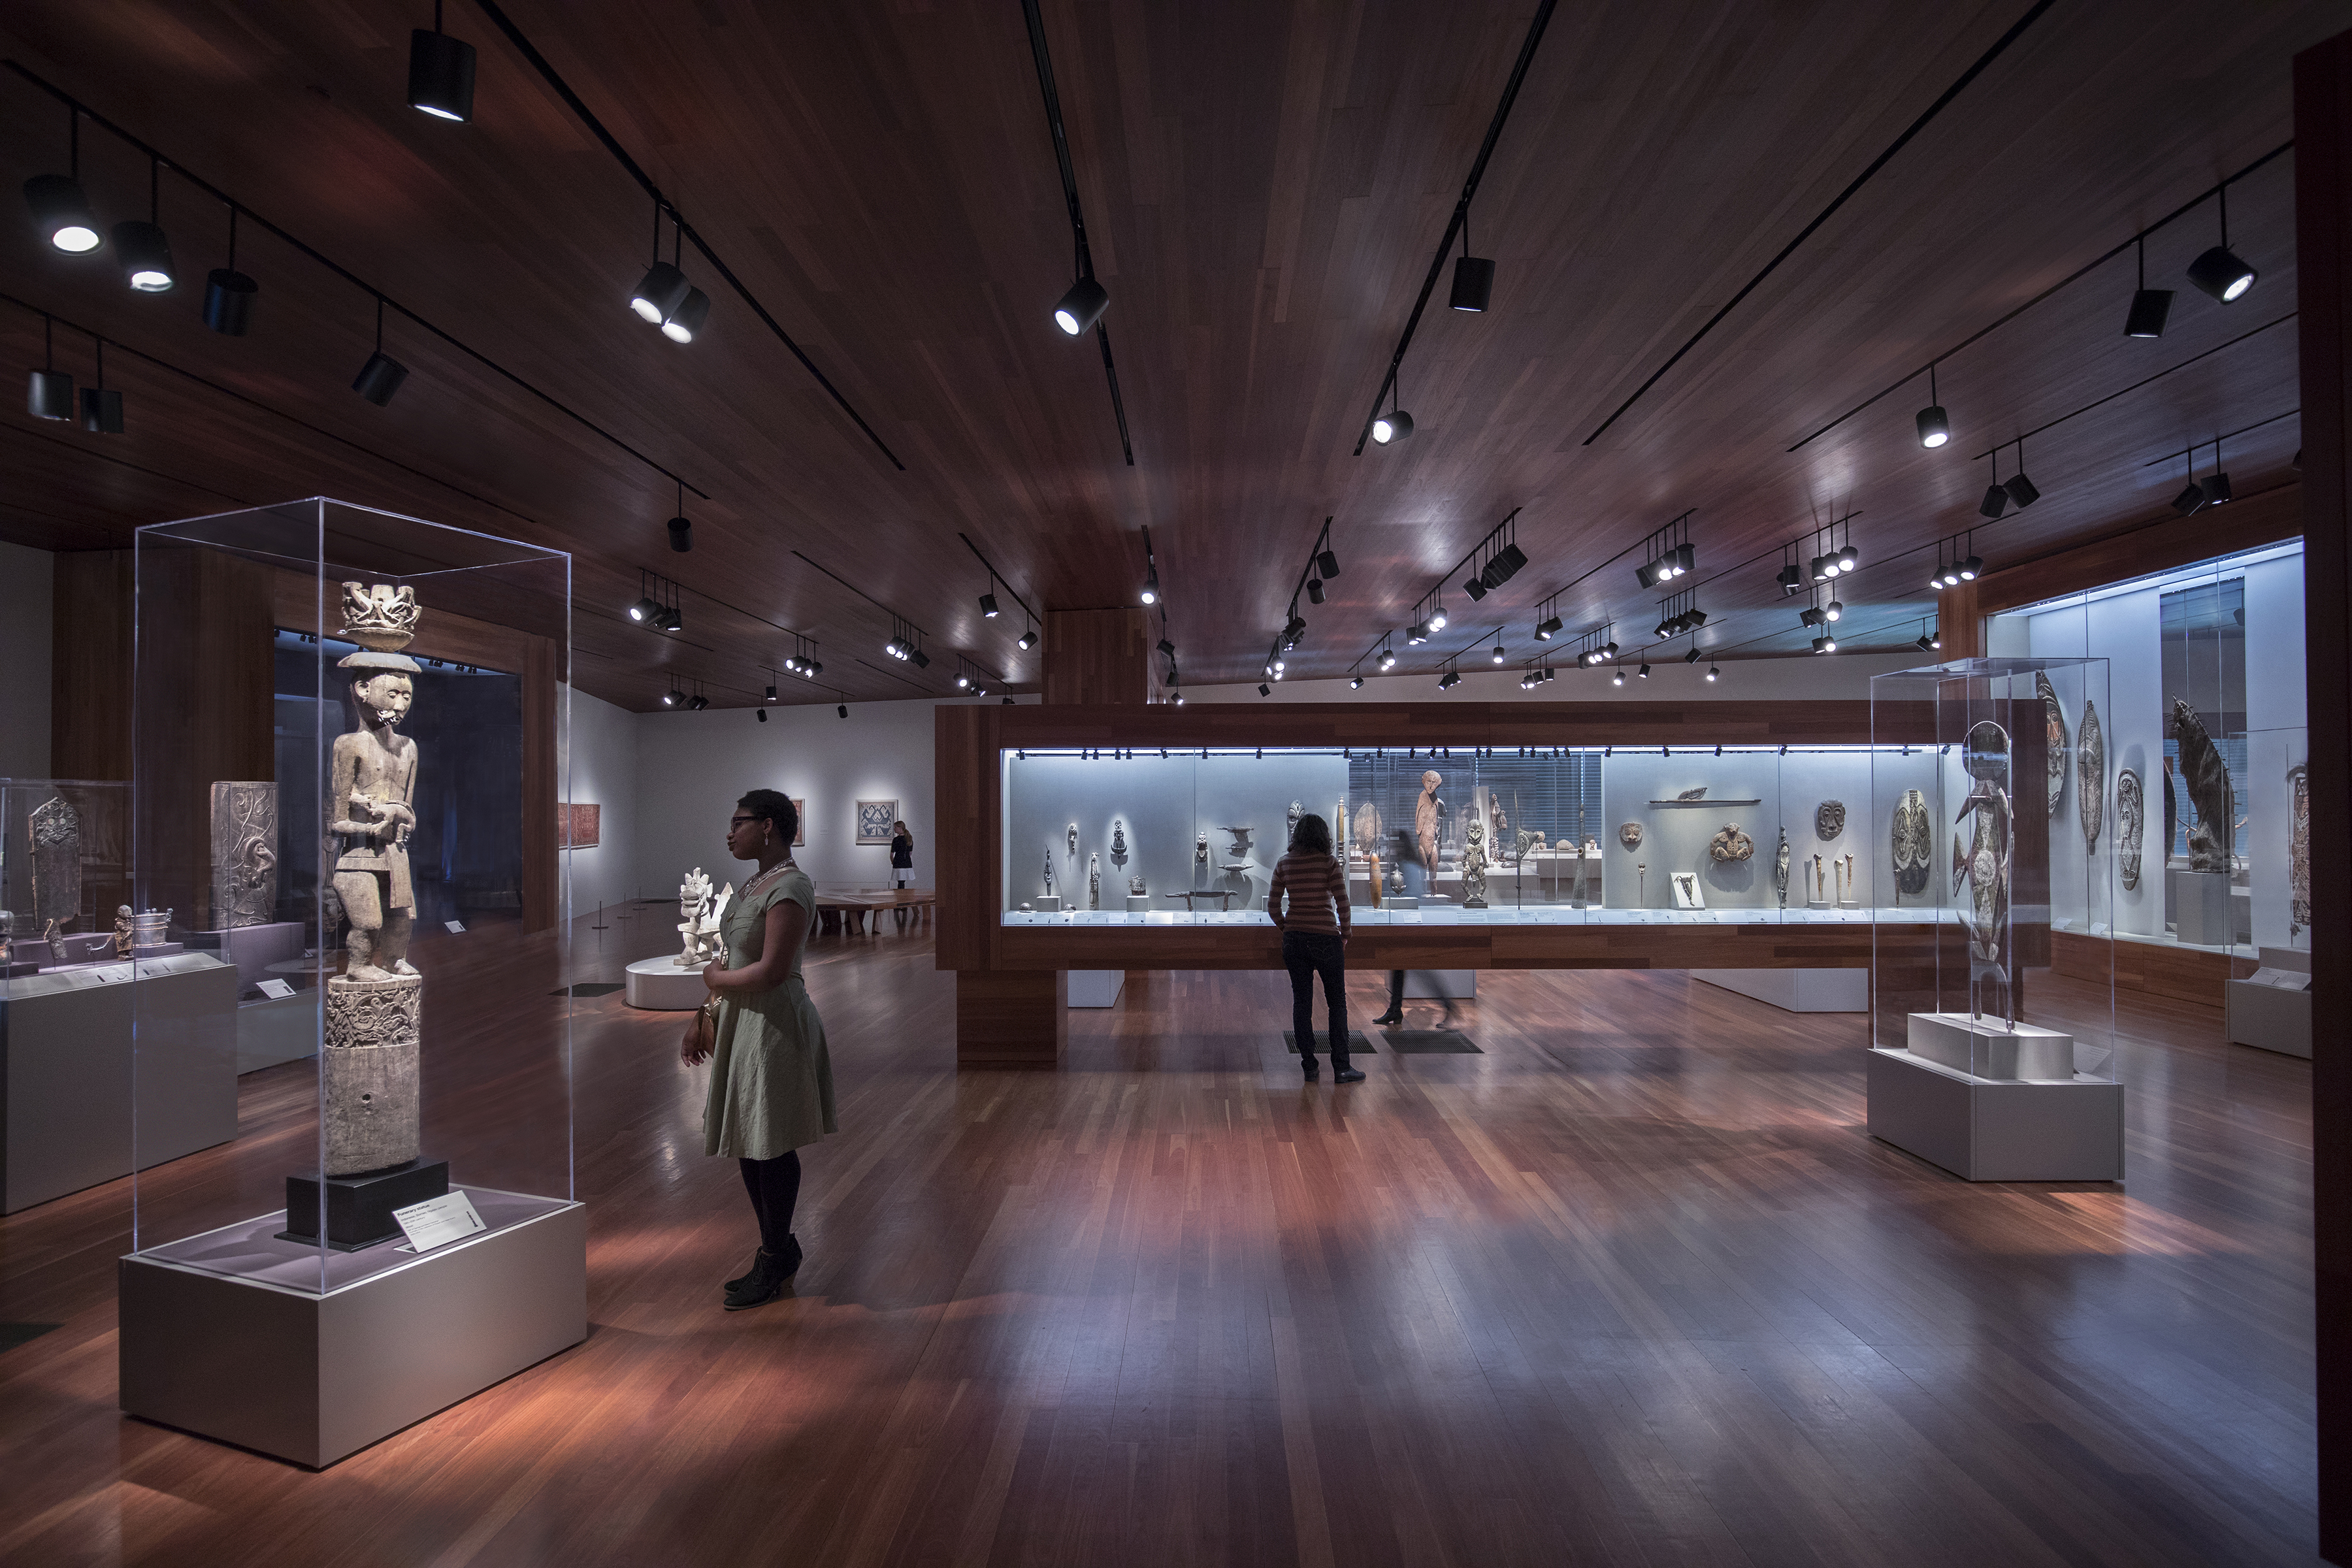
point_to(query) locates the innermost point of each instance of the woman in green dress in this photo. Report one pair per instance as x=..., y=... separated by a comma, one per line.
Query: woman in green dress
x=771, y=1080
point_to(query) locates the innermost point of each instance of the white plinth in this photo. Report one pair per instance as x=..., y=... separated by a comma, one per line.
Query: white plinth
x=1138, y=902
x=1048, y=904
x=1988, y=1050
x=1797, y=990
x=1982, y=1129
x=1462, y=985
x=2200, y=908
x=659, y=985
x=1097, y=987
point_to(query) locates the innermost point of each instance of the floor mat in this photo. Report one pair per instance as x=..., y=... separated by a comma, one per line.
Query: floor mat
x=1429, y=1042
x=1356, y=1042
x=588, y=988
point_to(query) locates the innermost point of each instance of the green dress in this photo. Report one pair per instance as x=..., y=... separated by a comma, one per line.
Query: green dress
x=771, y=1080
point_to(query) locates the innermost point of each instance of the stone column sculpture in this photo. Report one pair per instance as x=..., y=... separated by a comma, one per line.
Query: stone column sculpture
x=245, y=853
x=1984, y=866
x=368, y=1067
x=55, y=828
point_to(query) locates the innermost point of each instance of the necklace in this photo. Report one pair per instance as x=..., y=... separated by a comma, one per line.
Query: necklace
x=752, y=886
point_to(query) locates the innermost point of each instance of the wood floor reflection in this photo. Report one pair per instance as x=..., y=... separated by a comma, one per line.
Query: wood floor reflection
x=1632, y=1286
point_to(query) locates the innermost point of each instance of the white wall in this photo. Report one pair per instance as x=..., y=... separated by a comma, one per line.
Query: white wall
x=1798, y=678
x=603, y=763
x=25, y=600
x=692, y=768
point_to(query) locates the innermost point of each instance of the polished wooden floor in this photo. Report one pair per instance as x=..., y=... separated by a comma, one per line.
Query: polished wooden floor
x=1632, y=1286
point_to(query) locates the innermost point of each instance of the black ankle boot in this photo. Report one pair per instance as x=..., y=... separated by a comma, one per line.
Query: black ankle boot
x=745, y=1278
x=1306, y=1064
x=766, y=1280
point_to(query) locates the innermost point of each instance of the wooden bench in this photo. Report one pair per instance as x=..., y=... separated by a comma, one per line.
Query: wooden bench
x=845, y=910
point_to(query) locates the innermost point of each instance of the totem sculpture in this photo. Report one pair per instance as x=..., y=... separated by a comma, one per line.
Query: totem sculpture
x=2207, y=779
x=1630, y=834
x=1474, y=868
x=1914, y=844
x=1049, y=875
x=244, y=852
x=2131, y=815
x=2298, y=849
x=1780, y=869
x=2089, y=776
x=1200, y=863
x=1094, y=881
x=1118, y=841
x=55, y=829
x=1984, y=867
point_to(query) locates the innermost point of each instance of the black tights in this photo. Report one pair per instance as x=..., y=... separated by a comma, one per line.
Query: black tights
x=775, y=1186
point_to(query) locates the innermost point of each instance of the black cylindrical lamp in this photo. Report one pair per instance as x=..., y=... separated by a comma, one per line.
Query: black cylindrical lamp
x=681, y=535
x=50, y=396
x=1474, y=282
x=101, y=411
x=681, y=325
x=228, y=301
x=440, y=74
x=661, y=290
x=1082, y=307
x=380, y=378
x=61, y=211
x=145, y=253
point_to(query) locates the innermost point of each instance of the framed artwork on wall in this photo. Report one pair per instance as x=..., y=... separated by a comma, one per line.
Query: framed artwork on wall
x=579, y=825
x=875, y=819
x=800, y=822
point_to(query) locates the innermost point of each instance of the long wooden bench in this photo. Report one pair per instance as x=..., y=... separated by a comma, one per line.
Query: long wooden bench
x=846, y=909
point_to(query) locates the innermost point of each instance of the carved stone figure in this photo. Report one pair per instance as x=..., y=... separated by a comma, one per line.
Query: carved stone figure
x=1828, y=819
x=1118, y=839
x=1049, y=870
x=1200, y=865
x=2089, y=776
x=1731, y=844
x=122, y=937
x=2298, y=848
x=1629, y=833
x=693, y=913
x=1984, y=867
x=2206, y=777
x=1135, y=886
x=1093, y=881
x=1819, y=892
x=244, y=852
x=1474, y=868
x=1914, y=836
x=55, y=829
x=2054, y=738
x=2131, y=812
x=1074, y=839
x=1780, y=869
x=369, y=1071
x=1699, y=793
x=1428, y=817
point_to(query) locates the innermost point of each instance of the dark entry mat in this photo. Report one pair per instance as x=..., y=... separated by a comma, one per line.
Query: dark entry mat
x=588, y=988
x=15, y=1334
x=1356, y=1042
x=1429, y=1042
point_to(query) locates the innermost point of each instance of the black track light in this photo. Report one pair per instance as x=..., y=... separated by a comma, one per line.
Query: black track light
x=920, y=659
x=1394, y=425
x=381, y=377
x=1315, y=590
x=101, y=410
x=1713, y=673
x=1617, y=678
x=672, y=698
x=2217, y=489
x=1812, y=616
x=660, y=292
x=2149, y=307
x=1264, y=689
x=440, y=72
x=2021, y=489
x=1792, y=578
x=681, y=534
x=1834, y=611
x=1292, y=631
x=1388, y=660
x=988, y=607
x=681, y=325
x=1027, y=640
x=1151, y=584
x=61, y=212
x=667, y=619
x=1691, y=658
x=1644, y=672
x=1473, y=280
x=771, y=694
x=1326, y=563
x=1971, y=569
x=760, y=714
x=1546, y=628
x=1449, y=680
x=697, y=702
x=1935, y=425
x=643, y=610
x=2220, y=272
x=1996, y=499
x=1356, y=684
x=1849, y=558
x=1499, y=653
x=1824, y=645
x=1508, y=560
x=50, y=396
x=228, y=301
x=145, y=256
x=2192, y=497
x=842, y=710
x=1082, y=307
x=1167, y=649
x=1475, y=586
x=1927, y=643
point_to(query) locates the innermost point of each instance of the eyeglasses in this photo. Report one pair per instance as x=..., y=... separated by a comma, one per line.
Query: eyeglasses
x=735, y=822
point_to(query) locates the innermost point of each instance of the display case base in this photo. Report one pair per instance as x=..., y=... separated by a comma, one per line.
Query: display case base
x=1097, y=987
x=2200, y=908
x=2271, y=1017
x=314, y=1377
x=1990, y=1049
x=1985, y=1130
x=359, y=1207
x=659, y=985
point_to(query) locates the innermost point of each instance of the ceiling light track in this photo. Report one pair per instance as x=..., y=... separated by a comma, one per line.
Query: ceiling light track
x=2183, y=210
x=587, y=117
x=2175, y=456
x=85, y=112
x=1932, y=110
x=1084, y=305
x=2146, y=381
x=1459, y=224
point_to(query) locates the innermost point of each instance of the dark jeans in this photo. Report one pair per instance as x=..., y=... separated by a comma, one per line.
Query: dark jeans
x=1308, y=953
x=775, y=1186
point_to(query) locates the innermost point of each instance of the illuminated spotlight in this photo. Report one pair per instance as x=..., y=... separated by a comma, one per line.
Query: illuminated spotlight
x=1712, y=672
x=1082, y=307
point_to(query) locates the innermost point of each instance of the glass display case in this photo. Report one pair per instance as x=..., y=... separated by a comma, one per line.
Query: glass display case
x=414, y=1151
x=1997, y=813
x=1446, y=835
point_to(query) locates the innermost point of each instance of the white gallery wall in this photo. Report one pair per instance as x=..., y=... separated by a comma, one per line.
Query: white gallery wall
x=25, y=600
x=600, y=768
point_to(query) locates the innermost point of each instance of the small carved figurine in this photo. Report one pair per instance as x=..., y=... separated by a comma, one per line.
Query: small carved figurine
x=1474, y=868
x=121, y=931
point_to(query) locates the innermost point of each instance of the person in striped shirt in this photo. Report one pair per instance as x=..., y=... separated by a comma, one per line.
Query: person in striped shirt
x=1308, y=900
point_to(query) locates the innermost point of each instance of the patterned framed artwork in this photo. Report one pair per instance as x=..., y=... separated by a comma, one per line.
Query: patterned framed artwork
x=580, y=826
x=800, y=821
x=875, y=819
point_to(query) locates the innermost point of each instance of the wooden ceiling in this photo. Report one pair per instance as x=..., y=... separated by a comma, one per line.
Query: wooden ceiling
x=1265, y=185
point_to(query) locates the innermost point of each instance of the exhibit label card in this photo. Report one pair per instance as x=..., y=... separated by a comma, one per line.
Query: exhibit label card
x=437, y=1222
x=275, y=990
x=456, y=928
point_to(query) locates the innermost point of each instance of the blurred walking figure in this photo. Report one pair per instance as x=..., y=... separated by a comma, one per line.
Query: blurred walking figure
x=1314, y=925
x=1406, y=854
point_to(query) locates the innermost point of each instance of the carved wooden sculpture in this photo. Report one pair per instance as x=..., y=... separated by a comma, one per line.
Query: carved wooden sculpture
x=2131, y=815
x=2089, y=776
x=2206, y=777
x=1985, y=866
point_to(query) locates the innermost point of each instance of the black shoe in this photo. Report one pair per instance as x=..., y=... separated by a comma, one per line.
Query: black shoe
x=746, y=1277
x=1389, y=1019
x=1347, y=1075
x=794, y=1260
x=1307, y=1065
x=766, y=1280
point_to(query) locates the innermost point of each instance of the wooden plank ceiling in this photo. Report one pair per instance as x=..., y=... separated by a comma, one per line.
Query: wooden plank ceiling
x=1265, y=184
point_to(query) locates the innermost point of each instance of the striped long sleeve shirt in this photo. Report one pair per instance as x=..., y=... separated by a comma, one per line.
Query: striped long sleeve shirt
x=1317, y=887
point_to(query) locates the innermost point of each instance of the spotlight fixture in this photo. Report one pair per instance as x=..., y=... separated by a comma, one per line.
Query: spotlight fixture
x=841, y=709
x=1082, y=307
x=920, y=660
x=1848, y=558
x=1691, y=658
x=1499, y=653
x=61, y=211
x=1712, y=673
x=770, y=693
x=647, y=607
x=1617, y=678
x=1315, y=590
x=380, y=378
x=1475, y=586
x=1548, y=628
x=1437, y=618
x=1825, y=644
x=1388, y=660
x=1812, y=616
x=1326, y=563
x=1449, y=680
x=2220, y=271
x=681, y=325
x=1834, y=611
x=1396, y=424
x=1996, y=499
x=1295, y=629
x=697, y=702
x=1028, y=638
x=1792, y=578
x=2192, y=495
x=2149, y=307
x=1970, y=568
x=1644, y=672
x=1264, y=689
x=50, y=394
x=681, y=532
x=440, y=72
x=2216, y=488
x=673, y=696
x=1935, y=425
x=987, y=606
x=228, y=293
x=1356, y=684
x=1473, y=275
x=101, y=411
x=1670, y=555
x=1150, y=571
x=661, y=289
x=760, y=714
x=1417, y=632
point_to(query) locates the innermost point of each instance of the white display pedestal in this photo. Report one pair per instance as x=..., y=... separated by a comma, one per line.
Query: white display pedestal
x=1137, y=903
x=2200, y=908
x=2270, y=1017
x=1051, y=904
x=312, y=1377
x=1461, y=984
x=1991, y=1049
x=1996, y=1129
x=1797, y=990
x=1097, y=987
x=659, y=985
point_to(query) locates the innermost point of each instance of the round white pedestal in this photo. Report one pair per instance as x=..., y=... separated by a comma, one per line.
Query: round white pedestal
x=659, y=985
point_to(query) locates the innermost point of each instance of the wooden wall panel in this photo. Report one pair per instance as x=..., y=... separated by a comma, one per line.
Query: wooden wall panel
x=1011, y=1018
x=2323, y=190
x=89, y=669
x=2184, y=973
x=964, y=835
x=1097, y=657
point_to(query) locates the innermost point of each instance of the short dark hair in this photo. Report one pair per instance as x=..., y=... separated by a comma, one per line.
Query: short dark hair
x=775, y=807
x=1313, y=836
